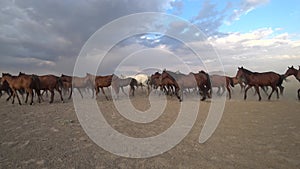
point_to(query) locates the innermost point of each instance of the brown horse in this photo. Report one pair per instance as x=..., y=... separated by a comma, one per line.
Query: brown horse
x=236, y=81
x=35, y=85
x=172, y=77
x=292, y=71
x=222, y=82
x=257, y=80
x=5, y=87
x=182, y=81
x=118, y=83
x=203, y=83
x=100, y=82
x=18, y=83
x=51, y=83
x=75, y=82
x=67, y=84
x=166, y=85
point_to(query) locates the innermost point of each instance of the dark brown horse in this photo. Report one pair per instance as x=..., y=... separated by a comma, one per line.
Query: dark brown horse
x=222, y=82
x=182, y=81
x=118, y=83
x=35, y=85
x=172, y=77
x=51, y=83
x=203, y=83
x=292, y=71
x=5, y=87
x=166, y=85
x=100, y=82
x=19, y=83
x=257, y=80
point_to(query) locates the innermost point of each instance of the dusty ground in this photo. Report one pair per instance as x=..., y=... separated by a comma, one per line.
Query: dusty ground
x=251, y=134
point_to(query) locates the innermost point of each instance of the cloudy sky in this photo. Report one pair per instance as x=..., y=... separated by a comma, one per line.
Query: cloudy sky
x=47, y=36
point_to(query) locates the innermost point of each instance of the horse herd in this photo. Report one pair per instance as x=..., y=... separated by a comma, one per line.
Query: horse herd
x=169, y=83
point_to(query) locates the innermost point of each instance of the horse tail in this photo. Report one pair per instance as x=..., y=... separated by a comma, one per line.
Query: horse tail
x=133, y=83
x=231, y=81
x=208, y=80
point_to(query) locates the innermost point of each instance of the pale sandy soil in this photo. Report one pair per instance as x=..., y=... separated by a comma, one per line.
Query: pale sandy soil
x=251, y=134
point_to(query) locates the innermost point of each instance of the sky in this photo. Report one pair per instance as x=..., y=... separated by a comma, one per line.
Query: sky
x=47, y=36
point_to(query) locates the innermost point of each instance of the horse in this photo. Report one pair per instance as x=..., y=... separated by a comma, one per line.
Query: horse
x=35, y=85
x=75, y=82
x=118, y=83
x=142, y=80
x=5, y=87
x=166, y=85
x=172, y=77
x=51, y=83
x=292, y=71
x=18, y=83
x=222, y=82
x=182, y=81
x=236, y=81
x=67, y=84
x=100, y=82
x=203, y=83
x=257, y=80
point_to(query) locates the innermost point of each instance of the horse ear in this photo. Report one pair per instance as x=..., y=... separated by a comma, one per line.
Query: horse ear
x=292, y=66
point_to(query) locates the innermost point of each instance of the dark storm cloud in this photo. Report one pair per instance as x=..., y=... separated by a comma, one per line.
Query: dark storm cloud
x=51, y=29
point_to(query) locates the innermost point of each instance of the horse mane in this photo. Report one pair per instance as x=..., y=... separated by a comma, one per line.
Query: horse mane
x=248, y=71
x=6, y=74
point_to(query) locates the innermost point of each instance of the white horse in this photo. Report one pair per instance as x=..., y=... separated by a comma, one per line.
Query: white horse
x=142, y=80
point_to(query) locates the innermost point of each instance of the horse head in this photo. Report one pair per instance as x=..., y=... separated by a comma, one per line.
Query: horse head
x=291, y=71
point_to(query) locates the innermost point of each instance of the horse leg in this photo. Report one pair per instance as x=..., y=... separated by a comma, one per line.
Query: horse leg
x=13, y=98
x=60, y=93
x=16, y=94
x=258, y=93
x=9, y=96
x=26, y=97
x=93, y=92
x=265, y=89
x=80, y=92
x=218, y=91
x=181, y=94
x=277, y=92
x=104, y=93
x=242, y=87
x=298, y=94
x=229, y=92
x=273, y=89
x=223, y=90
x=52, y=95
x=132, y=88
x=31, y=93
x=204, y=92
x=97, y=91
x=281, y=90
x=245, y=94
x=39, y=95
x=177, y=93
x=71, y=93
